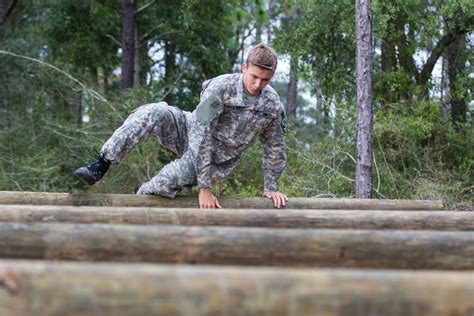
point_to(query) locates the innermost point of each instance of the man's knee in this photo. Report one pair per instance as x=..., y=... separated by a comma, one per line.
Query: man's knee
x=164, y=183
x=171, y=178
x=159, y=107
x=154, y=187
x=155, y=110
x=163, y=114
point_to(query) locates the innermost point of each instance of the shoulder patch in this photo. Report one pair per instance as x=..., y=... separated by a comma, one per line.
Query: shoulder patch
x=208, y=109
x=283, y=120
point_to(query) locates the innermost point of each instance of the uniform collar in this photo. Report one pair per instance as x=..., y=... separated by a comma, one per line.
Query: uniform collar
x=240, y=96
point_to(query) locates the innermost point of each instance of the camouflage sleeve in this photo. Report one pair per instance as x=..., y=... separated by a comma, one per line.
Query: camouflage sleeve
x=207, y=112
x=274, y=152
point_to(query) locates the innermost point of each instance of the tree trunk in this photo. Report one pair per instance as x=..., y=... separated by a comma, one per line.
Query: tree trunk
x=78, y=107
x=363, y=187
x=456, y=64
x=128, y=44
x=444, y=90
x=258, y=33
x=326, y=116
x=170, y=69
x=292, y=96
x=136, y=61
x=71, y=288
x=340, y=219
x=270, y=19
x=319, y=102
x=388, y=59
x=397, y=249
x=319, y=94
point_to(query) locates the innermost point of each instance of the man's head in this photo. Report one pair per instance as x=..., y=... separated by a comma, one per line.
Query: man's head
x=259, y=68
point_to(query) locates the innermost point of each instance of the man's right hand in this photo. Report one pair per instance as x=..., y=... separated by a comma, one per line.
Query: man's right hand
x=207, y=199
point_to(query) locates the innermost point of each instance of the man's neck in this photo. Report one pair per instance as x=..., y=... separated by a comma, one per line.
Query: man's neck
x=250, y=98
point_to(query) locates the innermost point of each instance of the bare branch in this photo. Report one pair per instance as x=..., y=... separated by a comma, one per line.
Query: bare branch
x=9, y=11
x=438, y=50
x=144, y=42
x=150, y=31
x=94, y=94
x=146, y=6
x=328, y=167
x=113, y=39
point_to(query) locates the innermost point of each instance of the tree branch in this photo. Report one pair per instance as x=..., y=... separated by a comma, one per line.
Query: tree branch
x=150, y=31
x=406, y=57
x=438, y=50
x=144, y=41
x=146, y=6
x=9, y=11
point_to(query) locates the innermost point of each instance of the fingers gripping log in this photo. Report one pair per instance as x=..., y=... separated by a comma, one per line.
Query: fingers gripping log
x=290, y=218
x=239, y=245
x=52, y=288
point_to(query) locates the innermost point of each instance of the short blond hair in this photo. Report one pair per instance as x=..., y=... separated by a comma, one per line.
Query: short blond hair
x=262, y=56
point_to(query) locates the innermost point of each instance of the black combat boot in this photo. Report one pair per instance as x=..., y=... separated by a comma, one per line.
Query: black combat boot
x=93, y=172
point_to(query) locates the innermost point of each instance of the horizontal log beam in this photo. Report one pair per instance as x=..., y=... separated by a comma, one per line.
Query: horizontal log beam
x=343, y=219
x=87, y=199
x=406, y=249
x=52, y=288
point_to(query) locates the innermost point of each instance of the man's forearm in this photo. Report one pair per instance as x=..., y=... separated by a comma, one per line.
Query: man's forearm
x=270, y=178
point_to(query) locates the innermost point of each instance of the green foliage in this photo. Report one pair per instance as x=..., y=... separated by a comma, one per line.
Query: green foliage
x=418, y=154
x=322, y=38
x=91, y=29
x=49, y=123
x=423, y=153
x=197, y=35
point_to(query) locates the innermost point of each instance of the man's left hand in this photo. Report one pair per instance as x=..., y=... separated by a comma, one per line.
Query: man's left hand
x=279, y=199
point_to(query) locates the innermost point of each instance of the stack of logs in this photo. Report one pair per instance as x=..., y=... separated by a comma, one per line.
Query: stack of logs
x=98, y=254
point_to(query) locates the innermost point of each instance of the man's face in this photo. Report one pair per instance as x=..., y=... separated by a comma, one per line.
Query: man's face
x=255, y=78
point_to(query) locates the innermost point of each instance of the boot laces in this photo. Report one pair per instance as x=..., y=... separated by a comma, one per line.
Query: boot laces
x=100, y=166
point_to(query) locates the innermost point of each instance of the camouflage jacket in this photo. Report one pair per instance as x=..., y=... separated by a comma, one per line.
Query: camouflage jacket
x=225, y=124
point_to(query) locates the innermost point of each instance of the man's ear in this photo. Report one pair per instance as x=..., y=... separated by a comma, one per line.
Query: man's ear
x=244, y=67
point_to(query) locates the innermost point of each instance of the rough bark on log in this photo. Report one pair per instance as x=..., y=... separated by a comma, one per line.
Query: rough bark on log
x=52, y=288
x=239, y=245
x=342, y=219
x=87, y=199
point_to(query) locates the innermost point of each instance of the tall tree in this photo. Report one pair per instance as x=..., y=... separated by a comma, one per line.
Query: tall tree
x=128, y=43
x=409, y=27
x=323, y=39
x=292, y=96
x=456, y=64
x=363, y=186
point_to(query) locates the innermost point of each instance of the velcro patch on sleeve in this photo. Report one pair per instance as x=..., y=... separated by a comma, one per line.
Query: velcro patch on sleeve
x=208, y=109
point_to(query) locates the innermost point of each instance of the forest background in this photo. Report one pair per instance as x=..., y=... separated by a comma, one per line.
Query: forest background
x=62, y=90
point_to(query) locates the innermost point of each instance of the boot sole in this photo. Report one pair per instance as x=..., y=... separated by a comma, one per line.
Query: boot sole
x=81, y=177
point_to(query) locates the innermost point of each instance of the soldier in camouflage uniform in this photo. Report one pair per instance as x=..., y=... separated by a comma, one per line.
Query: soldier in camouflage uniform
x=234, y=110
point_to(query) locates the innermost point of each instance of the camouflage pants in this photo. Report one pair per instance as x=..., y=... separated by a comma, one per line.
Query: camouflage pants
x=169, y=127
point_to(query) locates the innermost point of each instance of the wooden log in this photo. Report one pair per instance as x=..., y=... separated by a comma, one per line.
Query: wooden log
x=52, y=288
x=87, y=199
x=342, y=219
x=239, y=245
